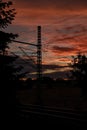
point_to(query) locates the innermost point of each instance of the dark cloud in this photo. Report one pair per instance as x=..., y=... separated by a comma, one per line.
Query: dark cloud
x=70, y=33
x=76, y=28
x=53, y=67
x=57, y=4
x=31, y=71
x=61, y=49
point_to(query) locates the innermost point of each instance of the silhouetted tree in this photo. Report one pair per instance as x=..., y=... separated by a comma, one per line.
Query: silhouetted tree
x=7, y=69
x=8, y=72
x=79, y=67
x=7, y=15
x=79, y=72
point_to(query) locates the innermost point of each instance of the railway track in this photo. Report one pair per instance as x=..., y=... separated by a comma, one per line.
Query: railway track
x=52, y=115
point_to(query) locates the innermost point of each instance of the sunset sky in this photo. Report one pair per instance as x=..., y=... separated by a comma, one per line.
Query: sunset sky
x=64, y=28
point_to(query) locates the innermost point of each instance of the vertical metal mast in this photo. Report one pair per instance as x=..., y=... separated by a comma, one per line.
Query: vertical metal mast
x=39, y=53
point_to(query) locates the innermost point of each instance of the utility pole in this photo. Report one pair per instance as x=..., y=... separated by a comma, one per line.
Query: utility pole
x=39, y=53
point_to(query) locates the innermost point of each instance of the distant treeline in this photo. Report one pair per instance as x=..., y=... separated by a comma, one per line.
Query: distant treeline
x=49, y=83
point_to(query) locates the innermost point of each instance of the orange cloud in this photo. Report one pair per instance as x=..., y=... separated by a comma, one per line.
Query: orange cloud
x=64, y=26
x=68, y=4
x=47, y=12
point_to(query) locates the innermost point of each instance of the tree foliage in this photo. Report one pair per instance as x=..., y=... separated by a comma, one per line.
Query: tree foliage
x=7, y=69
x=5, y=39
x=7, y=15
x=79, y=67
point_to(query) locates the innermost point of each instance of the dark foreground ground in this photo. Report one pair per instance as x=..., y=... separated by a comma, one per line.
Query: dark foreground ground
x=43, y=106
x=63, y=106
x=48, y=116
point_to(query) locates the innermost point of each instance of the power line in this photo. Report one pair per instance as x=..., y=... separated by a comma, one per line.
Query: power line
x=39, y=51
x=27, y=55
x=24, y=43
